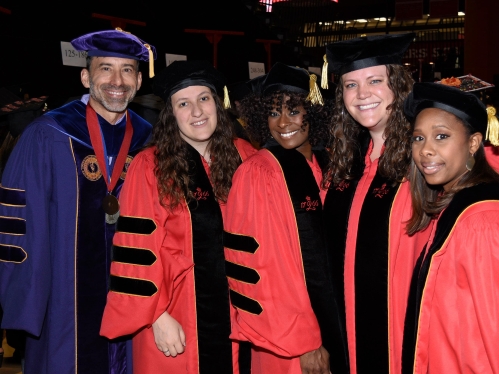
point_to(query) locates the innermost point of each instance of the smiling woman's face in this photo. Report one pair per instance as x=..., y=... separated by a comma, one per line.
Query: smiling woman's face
x=196, y=113
x=286, y=127
x=366, y=96
x=441, y=146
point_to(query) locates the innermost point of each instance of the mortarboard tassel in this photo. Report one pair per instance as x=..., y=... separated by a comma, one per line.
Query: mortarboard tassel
x=314, y=95
x=226, y=98
x=148, y=47
x=492, y=127
x=324, y=83
x=151, y=60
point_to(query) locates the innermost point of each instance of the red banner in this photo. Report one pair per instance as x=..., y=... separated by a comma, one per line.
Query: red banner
x=408, y=9
x=444, y=8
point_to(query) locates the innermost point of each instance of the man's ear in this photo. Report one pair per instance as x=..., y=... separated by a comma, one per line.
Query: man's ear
x=139, y=80
x=85, y=78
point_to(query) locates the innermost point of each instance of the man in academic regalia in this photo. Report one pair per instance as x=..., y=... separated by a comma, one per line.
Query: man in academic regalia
x=58, y=208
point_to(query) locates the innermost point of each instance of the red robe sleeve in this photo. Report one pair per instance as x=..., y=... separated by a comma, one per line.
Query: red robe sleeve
x=492, y=156
x=128, y=312
x=259, y=207
x=244, y=148
x=459, y=318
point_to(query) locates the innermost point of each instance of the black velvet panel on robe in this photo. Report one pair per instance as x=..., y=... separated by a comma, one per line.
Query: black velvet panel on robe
x=212, y=289
x=93, y=258
x=307, y=206
x=462, y=200
x=336, y=212
x=371, y=277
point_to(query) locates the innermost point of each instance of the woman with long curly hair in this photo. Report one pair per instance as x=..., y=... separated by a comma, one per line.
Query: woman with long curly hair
x=276, y=255
x=451, y=324
x=368, y=201
x=168, y=284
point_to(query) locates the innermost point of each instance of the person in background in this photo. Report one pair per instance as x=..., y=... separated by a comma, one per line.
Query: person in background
x=237, y=92
x=168, y=284
x=58, y=212
x=451, y=324
x=368, y=201
x=276, y=258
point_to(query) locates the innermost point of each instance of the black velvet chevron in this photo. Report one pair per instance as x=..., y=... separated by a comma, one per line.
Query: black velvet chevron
x=12, y=226
x=245, y=303
x=135, y=225
x=461, y=201
x=240, y=242
x=11, y=253
x=133, y=256
x=12, y=197
x=138, y=287
x=241, y=273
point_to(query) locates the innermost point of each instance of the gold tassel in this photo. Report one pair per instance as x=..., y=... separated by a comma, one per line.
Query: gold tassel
x=151, y=60
x=324, y=83
x=151, y=55
x=314, y=95
x=226, y=98
x=492, y=127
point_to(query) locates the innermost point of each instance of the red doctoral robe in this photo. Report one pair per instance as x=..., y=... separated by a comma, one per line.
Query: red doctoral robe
x=379, y=259
x=458, y=289
x=273, y=307
x=166, y=272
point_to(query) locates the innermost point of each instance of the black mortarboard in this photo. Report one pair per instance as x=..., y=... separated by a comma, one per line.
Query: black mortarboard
x=463, y=105
x=283, y=77
x=116, y=43
x=366, y=51
x=20, y=114
x=182, y=74
x=239, y=90
x=255, y=84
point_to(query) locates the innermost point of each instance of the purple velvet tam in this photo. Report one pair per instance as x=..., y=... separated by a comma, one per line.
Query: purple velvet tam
x=114, y=43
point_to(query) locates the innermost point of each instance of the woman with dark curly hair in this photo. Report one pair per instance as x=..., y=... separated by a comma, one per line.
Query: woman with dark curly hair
x=277, y=262
x=368, y=202
x=168, y=284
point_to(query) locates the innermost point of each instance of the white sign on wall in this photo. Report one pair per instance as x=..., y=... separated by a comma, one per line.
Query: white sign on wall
x=72, y=57
x=170, y=58
x=256, y=69
x=315, y=70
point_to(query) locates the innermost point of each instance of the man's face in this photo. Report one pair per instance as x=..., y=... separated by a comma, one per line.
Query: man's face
x=113, y=83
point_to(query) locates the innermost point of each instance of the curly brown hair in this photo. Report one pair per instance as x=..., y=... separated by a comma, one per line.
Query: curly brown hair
x=172, y=169
x=256, y=110
x=346, y=148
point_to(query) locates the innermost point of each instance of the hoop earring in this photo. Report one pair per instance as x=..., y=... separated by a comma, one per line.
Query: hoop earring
x=470, y=162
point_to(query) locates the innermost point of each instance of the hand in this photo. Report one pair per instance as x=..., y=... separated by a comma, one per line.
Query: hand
x=168, y=335
x=315, y=362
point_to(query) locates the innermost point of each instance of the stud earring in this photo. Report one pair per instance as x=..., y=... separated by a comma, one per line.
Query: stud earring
x=470, y=162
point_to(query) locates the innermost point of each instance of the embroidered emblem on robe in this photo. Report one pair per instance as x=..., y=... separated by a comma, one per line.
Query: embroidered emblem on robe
x=90, y=168
x=125, y=168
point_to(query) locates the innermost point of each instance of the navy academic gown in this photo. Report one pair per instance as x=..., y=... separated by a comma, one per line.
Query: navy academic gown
x=55, y=244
